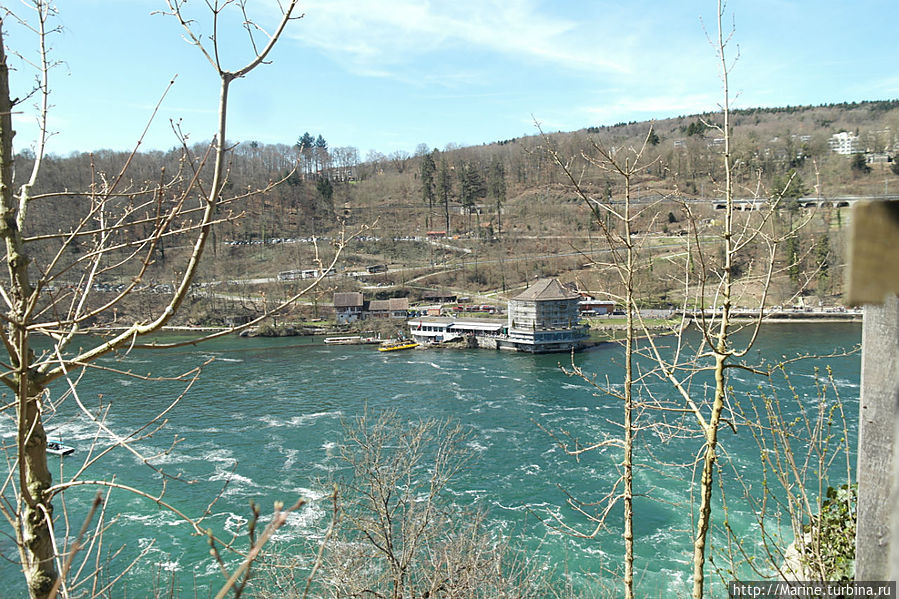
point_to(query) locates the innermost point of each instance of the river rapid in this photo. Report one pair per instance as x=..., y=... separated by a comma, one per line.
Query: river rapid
x=264, y=420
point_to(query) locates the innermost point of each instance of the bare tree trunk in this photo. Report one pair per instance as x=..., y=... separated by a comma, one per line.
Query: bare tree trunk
x=446, y=213
x=706, y=482
x=626, y=267
x=25, y=375
x=35, y=513
x=721, y=351
x=628, y=458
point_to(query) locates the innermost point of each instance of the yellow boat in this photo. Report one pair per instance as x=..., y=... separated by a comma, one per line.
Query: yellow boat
x=397, y=345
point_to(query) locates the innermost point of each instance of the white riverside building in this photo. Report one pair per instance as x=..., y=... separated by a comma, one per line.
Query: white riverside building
x=544, y=318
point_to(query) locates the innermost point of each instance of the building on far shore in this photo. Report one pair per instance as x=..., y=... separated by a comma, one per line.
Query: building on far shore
x=395, y=307
x=590, y=306
x=443, y=329
x=542, y=319
x=348, y=307
x=845, y=143
x=351, y=306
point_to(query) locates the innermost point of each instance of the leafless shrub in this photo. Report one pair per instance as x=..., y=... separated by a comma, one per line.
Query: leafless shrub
x=399, y=535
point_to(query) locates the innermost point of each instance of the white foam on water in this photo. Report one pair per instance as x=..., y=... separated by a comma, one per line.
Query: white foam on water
x=235, y=523
x=594, y=549
x=302, y=420
x=290, y=458
x=219, y=455
x=538, y=506
x=238, y=485
x=169, y=566
x=846, y=384
x=305, y=523
x=156, y=519
x=191, y=454
x=75, y=430
x=477, y=446
x=127, y=359
x=309, y=494
x=677, y=584
x=144, y=542
x=498, y=431
x=530, y=469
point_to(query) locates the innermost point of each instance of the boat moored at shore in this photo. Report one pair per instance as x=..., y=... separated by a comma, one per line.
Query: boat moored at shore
x=352, y=340
x=398, y=345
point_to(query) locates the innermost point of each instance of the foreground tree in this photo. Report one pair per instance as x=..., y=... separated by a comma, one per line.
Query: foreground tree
x=713, y=270
x=625, y=253
x=712, y=295
x=400, y=534
x=117, y=236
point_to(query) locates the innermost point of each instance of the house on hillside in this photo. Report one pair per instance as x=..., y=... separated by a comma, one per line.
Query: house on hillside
x=348, y=307
x=845, y=143
x=351, y=306
x=397, y=307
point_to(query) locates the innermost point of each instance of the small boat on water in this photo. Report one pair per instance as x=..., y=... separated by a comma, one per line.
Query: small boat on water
x=57, y=448
x=397, y=345
x=351, y=340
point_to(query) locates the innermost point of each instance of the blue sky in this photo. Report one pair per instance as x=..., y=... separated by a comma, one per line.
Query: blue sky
x=387, y=75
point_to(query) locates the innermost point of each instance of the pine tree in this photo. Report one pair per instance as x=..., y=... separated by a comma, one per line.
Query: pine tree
x=471, y=186
x=305, y=145
x=444, y=188
x=321, y=154
x=428, y=171
x=497, y=188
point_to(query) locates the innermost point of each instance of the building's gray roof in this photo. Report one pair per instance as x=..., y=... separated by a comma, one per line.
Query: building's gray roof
x=393, y=305
x=349, y=299
x=399, y=303
x=546, y=290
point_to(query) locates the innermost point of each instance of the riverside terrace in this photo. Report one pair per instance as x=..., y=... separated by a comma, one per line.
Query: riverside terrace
x=429, y=330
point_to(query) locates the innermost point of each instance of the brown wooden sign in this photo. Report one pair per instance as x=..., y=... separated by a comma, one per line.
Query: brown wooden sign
x=873, y=253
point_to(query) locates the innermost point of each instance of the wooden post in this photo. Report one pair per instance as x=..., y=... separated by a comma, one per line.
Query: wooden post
x=874, y=280
x=876, y=441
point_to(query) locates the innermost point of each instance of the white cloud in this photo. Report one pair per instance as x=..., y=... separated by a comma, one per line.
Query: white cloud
x=371, y=35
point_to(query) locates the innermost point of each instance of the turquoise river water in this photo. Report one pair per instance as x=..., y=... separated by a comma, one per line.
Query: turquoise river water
x=266, y=417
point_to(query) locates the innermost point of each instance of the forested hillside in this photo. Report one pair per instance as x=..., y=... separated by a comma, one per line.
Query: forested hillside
x=508, y=210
